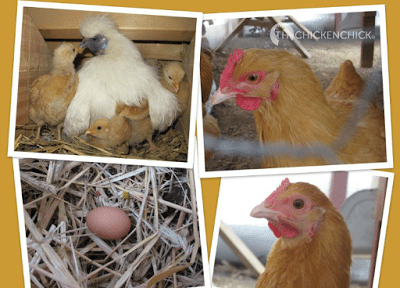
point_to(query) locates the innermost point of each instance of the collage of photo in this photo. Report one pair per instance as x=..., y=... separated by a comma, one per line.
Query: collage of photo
x=119, y=114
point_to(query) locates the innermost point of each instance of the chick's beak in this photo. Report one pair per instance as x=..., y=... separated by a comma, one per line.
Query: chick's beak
x=222, y=95
x=176, y=87
x=88, y=132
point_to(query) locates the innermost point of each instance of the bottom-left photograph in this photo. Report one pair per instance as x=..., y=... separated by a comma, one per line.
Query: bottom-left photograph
x=86, y=224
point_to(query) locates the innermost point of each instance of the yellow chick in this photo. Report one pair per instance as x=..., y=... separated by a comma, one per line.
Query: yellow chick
x=139, y=119
x=130, y=125
x=175, y=80
x=110, y=133
x=52, y=93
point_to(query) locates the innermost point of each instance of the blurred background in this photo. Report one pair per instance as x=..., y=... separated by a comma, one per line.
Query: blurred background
x=359, y=195
x=216, y=30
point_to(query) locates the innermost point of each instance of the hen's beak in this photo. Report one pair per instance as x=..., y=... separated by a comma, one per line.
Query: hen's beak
x=222, y=95
x=277, y=222
x=261, y=211
x=83, y=44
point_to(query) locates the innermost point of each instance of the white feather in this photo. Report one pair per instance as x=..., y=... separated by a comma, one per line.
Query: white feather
x=120, y=74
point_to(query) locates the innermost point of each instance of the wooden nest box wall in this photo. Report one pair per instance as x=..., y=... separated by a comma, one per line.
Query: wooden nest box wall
x=157, y=37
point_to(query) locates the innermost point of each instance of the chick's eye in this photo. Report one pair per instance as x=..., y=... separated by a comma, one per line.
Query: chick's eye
x=252, y=78
x=298, y=203
x=98, y=128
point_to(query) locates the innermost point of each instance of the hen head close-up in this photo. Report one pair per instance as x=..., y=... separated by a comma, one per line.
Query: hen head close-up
x=97, y=31
x=294, y=210
x=256, y=77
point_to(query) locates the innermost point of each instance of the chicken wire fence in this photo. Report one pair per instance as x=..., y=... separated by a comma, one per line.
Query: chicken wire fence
x=372, y=84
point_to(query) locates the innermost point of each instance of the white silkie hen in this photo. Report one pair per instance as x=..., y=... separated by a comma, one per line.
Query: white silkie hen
x=116, y=74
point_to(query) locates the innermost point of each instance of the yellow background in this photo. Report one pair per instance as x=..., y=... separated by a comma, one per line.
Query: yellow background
x=10, y=257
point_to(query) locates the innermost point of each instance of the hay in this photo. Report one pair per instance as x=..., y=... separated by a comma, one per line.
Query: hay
x=172, y=145
x=161, y=250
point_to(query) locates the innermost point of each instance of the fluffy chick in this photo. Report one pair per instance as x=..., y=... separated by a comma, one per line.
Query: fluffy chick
x=175, y=80
x=110, y=133
x=52, y=93
x=117, y=73
x=139, y=120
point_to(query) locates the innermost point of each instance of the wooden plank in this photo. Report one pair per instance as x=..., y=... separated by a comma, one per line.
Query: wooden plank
x=302, y=27
x=338, y=191
x=135, y=34
x=188, y=64
x=260, y=23
x=338, y=18
x=380, y=204
x=64, y=24
x=295, y=42
x=367, y=45
x=35, y=60
x=162, y=51
x=235, y=31
x=173, y=52
x=240, y=249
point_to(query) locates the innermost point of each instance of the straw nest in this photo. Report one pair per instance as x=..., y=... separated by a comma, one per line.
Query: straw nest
x=172, y=145
x=161, y=250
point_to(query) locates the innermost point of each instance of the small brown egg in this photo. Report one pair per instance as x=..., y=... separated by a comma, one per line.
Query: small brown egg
x=108, y=222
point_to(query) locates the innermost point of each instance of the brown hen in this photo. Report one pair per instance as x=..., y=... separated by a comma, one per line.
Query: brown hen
x=290, y=107
x=314, y=248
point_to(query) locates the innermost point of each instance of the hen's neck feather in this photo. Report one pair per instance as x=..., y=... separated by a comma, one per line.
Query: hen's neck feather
x=300, y=114
x=322, y=263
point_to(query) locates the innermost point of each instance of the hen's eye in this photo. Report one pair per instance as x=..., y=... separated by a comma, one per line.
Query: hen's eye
x=298, y=203
x=252, y=77
x=98, y=127
x=170, y=77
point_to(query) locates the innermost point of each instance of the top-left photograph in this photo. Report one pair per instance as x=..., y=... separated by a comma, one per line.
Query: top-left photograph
x=105, y=85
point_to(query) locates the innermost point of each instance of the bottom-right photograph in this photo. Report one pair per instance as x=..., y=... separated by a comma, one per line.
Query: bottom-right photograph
x=309, y=230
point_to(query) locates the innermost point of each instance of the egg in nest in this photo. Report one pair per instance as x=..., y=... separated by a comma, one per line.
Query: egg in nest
x=108, y=222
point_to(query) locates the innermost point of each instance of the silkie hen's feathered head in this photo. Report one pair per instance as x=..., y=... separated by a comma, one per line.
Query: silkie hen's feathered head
x=294, y=210
x=257, y=77
x=97, y=31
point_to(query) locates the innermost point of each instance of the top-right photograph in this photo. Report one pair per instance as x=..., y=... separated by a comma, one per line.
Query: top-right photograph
x=294, y=88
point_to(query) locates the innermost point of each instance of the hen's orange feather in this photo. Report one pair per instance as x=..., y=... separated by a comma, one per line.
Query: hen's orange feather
x=301, y=114
x=320, y=262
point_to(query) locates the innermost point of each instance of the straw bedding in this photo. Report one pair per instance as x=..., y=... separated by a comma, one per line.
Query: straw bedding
x=172, y=145
x=161, y=250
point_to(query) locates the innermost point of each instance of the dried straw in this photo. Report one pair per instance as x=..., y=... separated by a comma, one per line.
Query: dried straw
x=162, y=249
x=172, y=145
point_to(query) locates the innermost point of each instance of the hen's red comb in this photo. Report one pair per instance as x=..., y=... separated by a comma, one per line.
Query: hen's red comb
x=234, y=58
x=278, y=190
